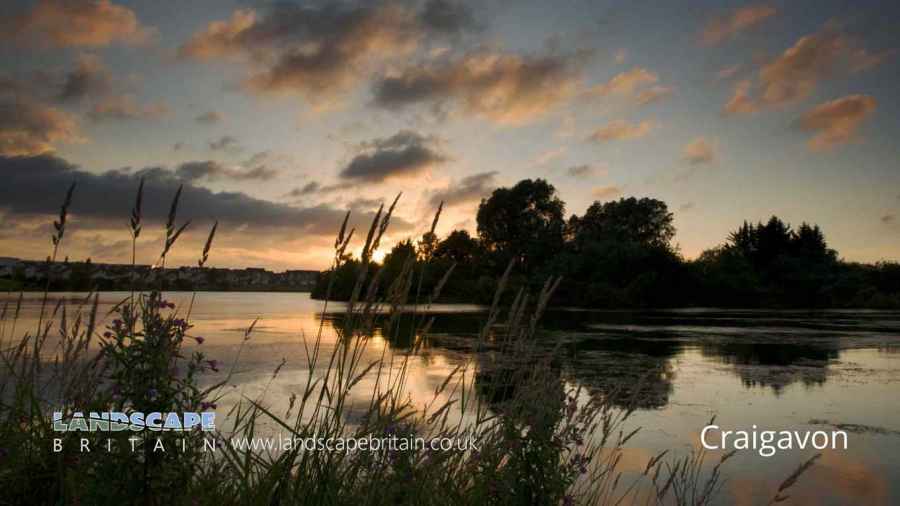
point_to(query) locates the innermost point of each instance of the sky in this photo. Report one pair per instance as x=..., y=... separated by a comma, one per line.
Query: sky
x=277, y=118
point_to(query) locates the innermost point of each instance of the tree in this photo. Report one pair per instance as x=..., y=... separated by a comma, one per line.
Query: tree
x=524, y=222
x=643, y=221
x=402, y=252
x=459, y=247
x=773, y=240
x=744, y=240
x=809, y=242
x=427, y=245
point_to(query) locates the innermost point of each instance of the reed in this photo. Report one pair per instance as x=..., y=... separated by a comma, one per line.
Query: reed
x=539, y=441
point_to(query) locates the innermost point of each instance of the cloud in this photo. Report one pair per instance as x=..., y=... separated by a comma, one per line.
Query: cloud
x=625, y=83
x=835, y=123
x=209, y=118
x=222, y=38
x=404, y=154
x=320, y=51
x=580, y=171
x=621, y=130
x=447, y=16
x=90, y=78
x=545, y=157
x=504, y=88
x=28, y=127
x=36, y=184
x=723, y=28
x=652, y=94
x=740, y=102
x=310, y=188
x=66, y=23
x=794, y=74
x=698, y=152
x=728, y=72
x=637, y=84
x=362, y=204
x=861, y=59
x=211, y=170
x=126, y=108
x=316, y=188
x=225, y=143
x=468, y=190
x=606, y=192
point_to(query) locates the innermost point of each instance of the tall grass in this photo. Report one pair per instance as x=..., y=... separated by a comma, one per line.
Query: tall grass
x=539, y=441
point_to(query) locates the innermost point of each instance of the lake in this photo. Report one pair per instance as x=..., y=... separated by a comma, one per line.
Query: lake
x=778, y=370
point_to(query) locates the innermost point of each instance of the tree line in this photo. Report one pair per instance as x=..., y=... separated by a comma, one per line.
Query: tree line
x=620, y=253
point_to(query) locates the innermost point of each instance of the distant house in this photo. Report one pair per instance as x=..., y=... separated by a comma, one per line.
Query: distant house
x=119, y=276
x=8, y=266
x=300, y=279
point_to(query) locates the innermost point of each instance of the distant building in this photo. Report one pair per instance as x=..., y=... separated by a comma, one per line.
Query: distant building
x=125, y=276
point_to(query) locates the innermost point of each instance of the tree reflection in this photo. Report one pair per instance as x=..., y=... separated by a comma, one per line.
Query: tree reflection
x=774, y=365
x=630, y=373
x=505, y=380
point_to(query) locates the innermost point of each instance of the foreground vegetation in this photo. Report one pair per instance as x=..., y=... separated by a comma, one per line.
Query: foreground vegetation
x=539, y=443
x=620, y=254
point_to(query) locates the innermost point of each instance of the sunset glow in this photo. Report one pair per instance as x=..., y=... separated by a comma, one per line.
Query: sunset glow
x=279, y=117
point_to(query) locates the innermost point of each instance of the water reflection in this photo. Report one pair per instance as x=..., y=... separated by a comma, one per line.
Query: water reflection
x=774, y=365
x=634, y=373
x=677, y=367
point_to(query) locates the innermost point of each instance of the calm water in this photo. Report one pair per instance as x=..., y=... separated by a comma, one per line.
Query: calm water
x=779, y=370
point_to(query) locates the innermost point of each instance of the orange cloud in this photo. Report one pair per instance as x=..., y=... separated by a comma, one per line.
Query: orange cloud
x=637, y=84
x=699, y=151
x=794, y=74
x=505, y=88
x=606, y=192
x=221, y=38
x=741, y=102
x=720, y=29
x=625, y=83
x=125, y=107
x=621, y=130
x=653, y=94
x=837, y=121
x=62, y=23
x=318, y=52
x=29, y=128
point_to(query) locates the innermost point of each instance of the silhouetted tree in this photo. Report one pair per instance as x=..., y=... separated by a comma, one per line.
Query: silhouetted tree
x=524, y=222
x=773, y=239
x=427, y=244
x=809, y=242
x=644, y=221
x=620, y=254
x=459, y=246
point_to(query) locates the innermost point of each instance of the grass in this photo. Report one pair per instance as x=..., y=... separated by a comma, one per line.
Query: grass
x=539, y=442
